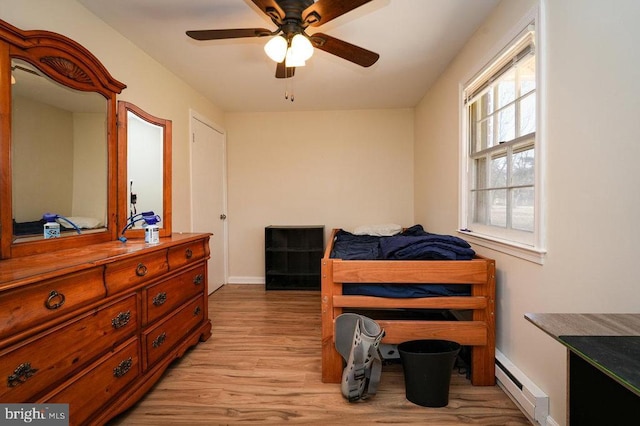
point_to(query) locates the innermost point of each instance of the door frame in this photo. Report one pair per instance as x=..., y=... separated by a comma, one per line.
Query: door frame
x=225, y=238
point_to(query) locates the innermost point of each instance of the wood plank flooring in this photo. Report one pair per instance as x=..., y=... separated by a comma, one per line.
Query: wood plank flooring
x=262, y=366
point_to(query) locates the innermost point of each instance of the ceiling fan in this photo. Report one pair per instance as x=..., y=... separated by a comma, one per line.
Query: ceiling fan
x=291, y=44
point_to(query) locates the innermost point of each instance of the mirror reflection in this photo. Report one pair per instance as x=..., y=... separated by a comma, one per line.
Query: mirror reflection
x=59, y=155
x=145, y=146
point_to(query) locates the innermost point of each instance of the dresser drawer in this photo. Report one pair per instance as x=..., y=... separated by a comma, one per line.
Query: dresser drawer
x=188, y=253
x=126, y=274
x=24, y=308
x=161, y=338
x=31, y=367
x=165, y=296
x=104, y=380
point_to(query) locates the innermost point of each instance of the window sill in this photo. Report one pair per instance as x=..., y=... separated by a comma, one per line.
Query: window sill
x=521, y=251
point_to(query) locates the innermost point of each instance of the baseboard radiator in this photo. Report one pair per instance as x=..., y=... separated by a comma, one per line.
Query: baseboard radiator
x=532, y=401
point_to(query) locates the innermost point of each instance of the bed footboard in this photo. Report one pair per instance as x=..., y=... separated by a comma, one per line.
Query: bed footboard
x=478, y=332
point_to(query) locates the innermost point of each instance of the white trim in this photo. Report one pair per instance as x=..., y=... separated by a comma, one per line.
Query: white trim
x=551, y=422
x=541, y=129
x=246, y=280
x=529, y=253
x=463, y=166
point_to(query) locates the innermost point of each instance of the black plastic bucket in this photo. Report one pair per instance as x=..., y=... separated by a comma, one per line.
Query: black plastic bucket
x=428, y=365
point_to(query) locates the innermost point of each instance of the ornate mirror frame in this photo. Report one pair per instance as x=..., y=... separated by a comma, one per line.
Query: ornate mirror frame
x=123, y=159
x=68, y=63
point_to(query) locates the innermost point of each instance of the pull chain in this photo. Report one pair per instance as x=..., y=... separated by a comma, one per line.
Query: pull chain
x=289, y=89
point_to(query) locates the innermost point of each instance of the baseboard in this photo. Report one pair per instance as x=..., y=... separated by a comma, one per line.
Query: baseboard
x=533, y=402
x=551, y=422
x=245, y=280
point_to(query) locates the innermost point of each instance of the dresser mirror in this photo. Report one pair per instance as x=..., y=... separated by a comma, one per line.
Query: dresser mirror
x=144, y=145
x=58, y=155
x=58, y=143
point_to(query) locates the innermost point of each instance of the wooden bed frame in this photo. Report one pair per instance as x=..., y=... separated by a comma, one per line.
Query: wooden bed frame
x=479, y=332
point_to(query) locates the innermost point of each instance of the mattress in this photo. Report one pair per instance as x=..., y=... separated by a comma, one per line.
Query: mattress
x=412, y=244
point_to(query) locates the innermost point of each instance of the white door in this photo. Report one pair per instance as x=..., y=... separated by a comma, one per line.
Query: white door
x=208, y=193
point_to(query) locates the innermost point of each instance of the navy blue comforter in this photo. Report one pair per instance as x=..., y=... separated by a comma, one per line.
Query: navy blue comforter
x=413, y=244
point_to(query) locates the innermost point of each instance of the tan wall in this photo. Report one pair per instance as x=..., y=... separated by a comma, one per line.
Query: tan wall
x=149, y=85
x=42, y=152
x=591, y=175
x=339, y=169
x=89, y=166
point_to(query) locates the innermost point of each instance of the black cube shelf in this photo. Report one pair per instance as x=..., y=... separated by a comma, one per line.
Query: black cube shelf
x=292, y=257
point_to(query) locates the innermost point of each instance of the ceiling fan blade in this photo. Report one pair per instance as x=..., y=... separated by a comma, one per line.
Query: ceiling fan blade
x=323, y=11
x=348, y=51
x=272, y=9
x=230, y=33
x=284, y=72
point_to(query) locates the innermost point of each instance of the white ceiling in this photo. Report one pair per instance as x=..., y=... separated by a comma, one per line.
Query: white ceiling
x=416, y=40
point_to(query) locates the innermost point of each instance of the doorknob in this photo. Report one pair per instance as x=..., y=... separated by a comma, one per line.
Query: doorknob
x=223, y=216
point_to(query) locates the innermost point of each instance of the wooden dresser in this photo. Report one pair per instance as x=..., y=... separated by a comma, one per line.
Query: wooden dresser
x=96, y=326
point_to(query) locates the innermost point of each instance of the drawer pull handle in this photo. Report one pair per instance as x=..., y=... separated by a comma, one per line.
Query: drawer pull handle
x=141, y=270
x=196, y=311
x=198, y=279
x=160, y=298
x=121, y=320
x=55, y=300
x=188, y=253
x=159, y=340
x=123, y=368
x=20, y=374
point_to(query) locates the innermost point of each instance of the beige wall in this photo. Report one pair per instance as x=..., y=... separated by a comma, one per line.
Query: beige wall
x=339, y=169
x=591, y=175
x=59, y=158
x=89, y=166
x=149, y=85
x=43, y=137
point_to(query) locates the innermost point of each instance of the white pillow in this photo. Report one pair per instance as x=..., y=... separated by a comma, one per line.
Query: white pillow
x=382, y=230
x=81, y=222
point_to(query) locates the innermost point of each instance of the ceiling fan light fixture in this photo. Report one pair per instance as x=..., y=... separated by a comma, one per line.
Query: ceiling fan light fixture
x=302, y=47
x=276, y=48
x=293, y=60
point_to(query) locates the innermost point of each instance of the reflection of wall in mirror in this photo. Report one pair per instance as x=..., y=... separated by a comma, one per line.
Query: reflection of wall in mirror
x=90, y=166
x=145, y=164
x=45, y=161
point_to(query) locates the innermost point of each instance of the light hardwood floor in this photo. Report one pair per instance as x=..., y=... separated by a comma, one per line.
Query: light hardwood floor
x=262, y=366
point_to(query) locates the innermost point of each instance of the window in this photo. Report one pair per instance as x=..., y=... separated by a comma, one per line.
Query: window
x=500, y=123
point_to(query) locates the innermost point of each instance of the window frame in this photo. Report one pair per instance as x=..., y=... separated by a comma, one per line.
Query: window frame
x=530, y=248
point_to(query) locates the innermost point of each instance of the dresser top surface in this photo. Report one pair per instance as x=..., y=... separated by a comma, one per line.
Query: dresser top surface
x=22, y=270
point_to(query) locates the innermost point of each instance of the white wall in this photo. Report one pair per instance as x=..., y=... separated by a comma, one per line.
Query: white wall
x=592, y=203
x=339, y=169
x=149, y=85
